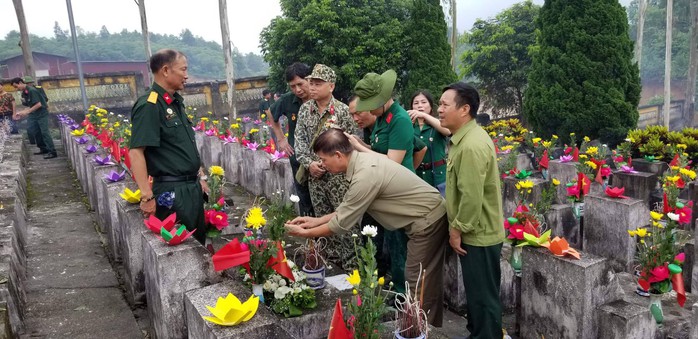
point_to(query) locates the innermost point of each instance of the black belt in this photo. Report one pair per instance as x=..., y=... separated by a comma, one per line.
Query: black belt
x=175, y=178
x=427, y=165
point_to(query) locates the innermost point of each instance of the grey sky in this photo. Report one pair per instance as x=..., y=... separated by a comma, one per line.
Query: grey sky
x=247, y=18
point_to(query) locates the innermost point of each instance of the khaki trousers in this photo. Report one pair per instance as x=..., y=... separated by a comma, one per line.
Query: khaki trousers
x=427, y=247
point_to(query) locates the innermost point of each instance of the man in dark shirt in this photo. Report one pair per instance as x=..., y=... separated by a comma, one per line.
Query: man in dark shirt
x=37, y=114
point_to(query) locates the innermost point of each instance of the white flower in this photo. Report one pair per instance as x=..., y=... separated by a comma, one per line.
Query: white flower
x=673, y=216
x=225, y=118
x=282, y=282
x=353, y=235
x=273, y=286
x=294, y=198
x=278, y=294
x=291, y=264
x=627, y=139
x=297, y=290
x=370, y=231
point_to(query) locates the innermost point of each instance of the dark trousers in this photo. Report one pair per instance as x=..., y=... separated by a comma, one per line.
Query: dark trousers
x=37, y=127
x=482, y=277
x=188, y=204
x=305, y=205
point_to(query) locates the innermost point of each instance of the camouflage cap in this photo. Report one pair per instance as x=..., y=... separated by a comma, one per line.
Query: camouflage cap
x=324, y=73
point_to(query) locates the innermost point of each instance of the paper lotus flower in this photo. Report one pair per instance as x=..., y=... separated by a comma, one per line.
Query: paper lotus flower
x=627, y=169
x=103, y=161
x=130, y=196
x=277, y=155
x=176, y=235
x=523, y=174
x=115, y=176
x=228, y=139
x=210, y=132
x=231, y=255
x=91, y=149
x=229, y=311
x=154, y=224
x=615, y=192
x=82, y=140
x=560, y=247
x=74, y=127
x=253, y=146
x=77, y=132
x=532, y=240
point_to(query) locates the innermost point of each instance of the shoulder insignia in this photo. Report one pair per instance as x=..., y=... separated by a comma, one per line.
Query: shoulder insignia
x=153, y=97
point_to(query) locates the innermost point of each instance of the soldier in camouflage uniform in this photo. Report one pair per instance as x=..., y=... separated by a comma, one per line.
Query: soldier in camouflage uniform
x=327, y=190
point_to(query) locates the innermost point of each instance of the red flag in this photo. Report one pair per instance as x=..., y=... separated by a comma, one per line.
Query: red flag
x=127, y=158
x=231, y=255
x=338, y=328
x=575, y=154
x=543, y=163
x=279, y=264
x=116, y=152
x=599, y=177
x=675, y=161
x=630, y=161
x=202, y=125
x=583, y=183
x=666, y=208
x=677, y=282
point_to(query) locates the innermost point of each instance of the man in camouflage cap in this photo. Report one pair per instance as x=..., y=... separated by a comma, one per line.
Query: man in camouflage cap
x=315, y=116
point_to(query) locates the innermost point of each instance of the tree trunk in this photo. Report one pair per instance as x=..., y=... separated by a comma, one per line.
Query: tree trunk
x=667, y=63
x=690, y=105
x=454, y=36
x=146, y=34
x=640, y=33
x=24, y=40
x=228, y=54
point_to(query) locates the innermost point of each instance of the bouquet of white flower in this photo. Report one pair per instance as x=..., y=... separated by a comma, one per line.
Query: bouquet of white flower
x=289, y=298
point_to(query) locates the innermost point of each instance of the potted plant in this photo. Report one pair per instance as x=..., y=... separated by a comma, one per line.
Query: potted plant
x=314, y=263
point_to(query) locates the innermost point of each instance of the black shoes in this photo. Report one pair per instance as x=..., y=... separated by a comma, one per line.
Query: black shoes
x=50, y=155
x=40, y=152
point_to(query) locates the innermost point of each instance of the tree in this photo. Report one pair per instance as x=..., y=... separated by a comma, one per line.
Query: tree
x=583, y=78
x=351, y=36
x=104, y=32
x=500, y=58
x=187, y=37
x=428, y=53
x=58, y=33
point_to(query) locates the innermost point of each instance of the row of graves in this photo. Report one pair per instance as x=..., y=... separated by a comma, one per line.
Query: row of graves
x=600, y=242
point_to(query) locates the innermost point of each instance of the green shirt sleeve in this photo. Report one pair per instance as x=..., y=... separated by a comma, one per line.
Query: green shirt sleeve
x=145, y=125
x=470, y=168
x=276, y=110
x=398, y=134
x=418, y=143
x=35, y=97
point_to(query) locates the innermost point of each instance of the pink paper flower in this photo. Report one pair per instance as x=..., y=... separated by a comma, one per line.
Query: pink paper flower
x=627, y=169
x=277, y=155
x=680, y=258
x=565, y=158
x=253, y=146
x=210, y=132
x=659, y=273
x=228, y=139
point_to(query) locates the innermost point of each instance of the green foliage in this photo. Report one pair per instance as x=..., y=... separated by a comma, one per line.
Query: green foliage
x=653, y=44
x=583, y=78
x=500, y=56
x=278, y=212
x=653, y=147
x=355, y=37
x=428, y=58
x=205, y=57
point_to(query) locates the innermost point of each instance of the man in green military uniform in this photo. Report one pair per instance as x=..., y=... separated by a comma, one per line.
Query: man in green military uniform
x=163, y=146
x=37, y=114
x=265, y=104
x=395, y=197
x=316, y=115
x=288, y=105
x=474, y=205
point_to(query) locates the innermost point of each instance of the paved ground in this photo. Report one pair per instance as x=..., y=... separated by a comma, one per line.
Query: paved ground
x=72, y=290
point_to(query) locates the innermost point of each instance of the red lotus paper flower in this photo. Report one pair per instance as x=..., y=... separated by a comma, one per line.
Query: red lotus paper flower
x=605, y=171
x=615, y=192
x=573, y=191
x=659, y=273
x=154, y=224
x=231, y=255
x=218, y=219
x=516, y=232
x=175, y=236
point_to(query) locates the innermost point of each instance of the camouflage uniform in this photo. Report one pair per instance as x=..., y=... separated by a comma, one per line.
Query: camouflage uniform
x=327, y=191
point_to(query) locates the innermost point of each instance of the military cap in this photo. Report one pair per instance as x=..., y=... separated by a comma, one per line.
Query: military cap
x=324, y=73
x=374, y=90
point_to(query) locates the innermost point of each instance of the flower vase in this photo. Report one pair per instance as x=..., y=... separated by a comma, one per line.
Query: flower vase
x=258, y=290
x=578, y=209
x=398, y=336
x=515, y=259
x=314, y=278
x=656, y=308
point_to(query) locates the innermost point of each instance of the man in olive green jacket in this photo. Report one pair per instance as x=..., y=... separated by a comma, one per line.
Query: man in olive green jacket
x=474, y=207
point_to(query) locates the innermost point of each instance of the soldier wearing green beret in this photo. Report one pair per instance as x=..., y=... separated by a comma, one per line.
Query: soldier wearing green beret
x=163, y=146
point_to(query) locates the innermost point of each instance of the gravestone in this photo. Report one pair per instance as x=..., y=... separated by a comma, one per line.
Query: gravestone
x=564, y=172
x=110, y=192
x=638, y=185
x=231, y=162
x=561, y=220
x=510, y=194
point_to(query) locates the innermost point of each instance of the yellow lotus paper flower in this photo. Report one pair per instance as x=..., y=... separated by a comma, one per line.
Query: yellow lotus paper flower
x=656, y=215
x=78, y=132
x=674, y=178
x=547, y=144
x=590, y=164
x=687, y=172
x=632, y=233
x=556, y=182
x=381, y=281
x=216, y=170
x=229, y=311
x=587, y=139
x=536, y=140
x=592, y=150
x=354, y=278
x=255, y=218
x=642, y=232
x=131, y=196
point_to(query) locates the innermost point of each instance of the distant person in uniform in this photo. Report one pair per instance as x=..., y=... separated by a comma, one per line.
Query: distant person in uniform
x=7, y=110
x=265, y=104
x=163, y=146
x=30, y=82
x=37, y=117
x=288, y=105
